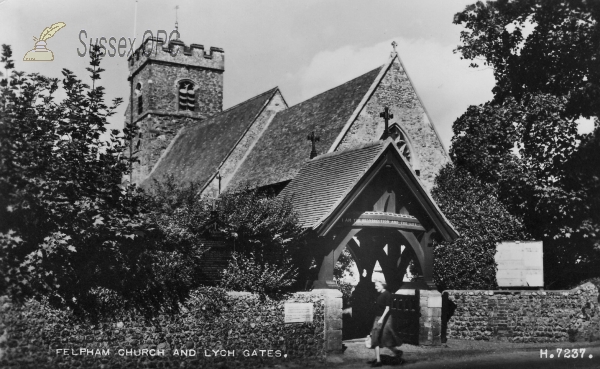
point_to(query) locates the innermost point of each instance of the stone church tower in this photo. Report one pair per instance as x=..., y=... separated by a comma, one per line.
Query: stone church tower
x=172, y=86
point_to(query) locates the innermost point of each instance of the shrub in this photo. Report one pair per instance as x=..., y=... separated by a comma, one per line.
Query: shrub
x=482, y=221
x=346, y=289
x=263, y=229
x=246, y=273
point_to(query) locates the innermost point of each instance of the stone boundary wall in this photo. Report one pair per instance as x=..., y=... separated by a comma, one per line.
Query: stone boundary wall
x=34, y=336
x=525, y=315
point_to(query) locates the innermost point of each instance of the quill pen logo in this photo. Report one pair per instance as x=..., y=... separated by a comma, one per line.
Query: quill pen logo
x=40, y=52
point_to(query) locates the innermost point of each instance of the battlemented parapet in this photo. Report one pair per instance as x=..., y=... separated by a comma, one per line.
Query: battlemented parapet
x=175, y=51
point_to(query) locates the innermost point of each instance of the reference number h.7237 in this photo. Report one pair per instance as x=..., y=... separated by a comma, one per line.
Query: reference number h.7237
x=573, y=353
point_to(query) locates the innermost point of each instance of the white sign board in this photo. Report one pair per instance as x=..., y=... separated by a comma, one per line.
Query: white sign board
x=520, y=264
x=298, y=312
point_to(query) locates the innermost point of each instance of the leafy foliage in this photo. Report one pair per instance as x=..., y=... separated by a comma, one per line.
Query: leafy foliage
x=560, y=57
x=346, y=289
x=482, y=221
x=249, y=220
x=179, y=213
x=521, y=146
x=261, y=224
x=525, y=142
x=70, y=231
x=262, y=230
x=343, y=265
x=246, y=273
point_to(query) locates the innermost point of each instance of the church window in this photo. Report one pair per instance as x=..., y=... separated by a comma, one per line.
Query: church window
x=402, y=142
x=140, y=100
x=187, y=96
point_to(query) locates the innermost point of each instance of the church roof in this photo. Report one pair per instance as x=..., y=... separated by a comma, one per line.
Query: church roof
x=283, y=149
x=196, y=152
x=323, y=183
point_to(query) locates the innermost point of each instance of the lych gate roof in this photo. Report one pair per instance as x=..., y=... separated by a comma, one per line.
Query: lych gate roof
x=197, y=150
x=324, y=182
x=283, y=149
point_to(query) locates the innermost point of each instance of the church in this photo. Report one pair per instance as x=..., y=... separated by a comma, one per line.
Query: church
x=357, y=161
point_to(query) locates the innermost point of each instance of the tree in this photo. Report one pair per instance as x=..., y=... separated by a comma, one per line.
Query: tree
x=262, y=230
x=482, y=221
x=70, y=231
x=523, y=148
x=560, y=57
x=262, y=224
x=525, y=141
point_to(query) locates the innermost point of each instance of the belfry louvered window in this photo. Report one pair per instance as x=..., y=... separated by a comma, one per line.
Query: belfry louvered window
x=187, y=96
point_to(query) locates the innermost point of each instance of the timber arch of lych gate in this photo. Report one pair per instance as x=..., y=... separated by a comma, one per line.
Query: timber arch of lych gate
x=370, y=200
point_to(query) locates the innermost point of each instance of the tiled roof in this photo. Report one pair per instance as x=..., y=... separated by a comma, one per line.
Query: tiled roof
x=283, y=148
x=197, y=150
x=324, y=181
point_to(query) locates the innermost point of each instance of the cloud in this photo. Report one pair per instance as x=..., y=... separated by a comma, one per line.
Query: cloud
x=445, y=83
x=328, y=68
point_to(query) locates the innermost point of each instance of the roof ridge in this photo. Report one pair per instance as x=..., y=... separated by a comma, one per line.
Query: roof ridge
x=350, y=149
x=338, y=86
x=272, y=90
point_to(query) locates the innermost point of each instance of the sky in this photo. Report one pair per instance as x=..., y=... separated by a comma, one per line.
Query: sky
x=303, y=47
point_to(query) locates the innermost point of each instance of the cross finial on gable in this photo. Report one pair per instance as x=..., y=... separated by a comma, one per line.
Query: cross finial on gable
x=393, y=53
x=386, y=117
x=312, y=138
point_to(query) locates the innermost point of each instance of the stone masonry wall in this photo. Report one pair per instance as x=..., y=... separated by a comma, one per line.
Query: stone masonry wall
x=157, y=133
x=526, y=316
x=33, y=336
x=161, y=119
x=396, y=92
x=164, y=90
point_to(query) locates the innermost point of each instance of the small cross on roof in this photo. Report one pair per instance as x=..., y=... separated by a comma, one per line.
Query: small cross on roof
x=312, y=138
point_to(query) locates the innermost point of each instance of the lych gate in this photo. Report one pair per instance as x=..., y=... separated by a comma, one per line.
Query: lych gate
x=371, y=201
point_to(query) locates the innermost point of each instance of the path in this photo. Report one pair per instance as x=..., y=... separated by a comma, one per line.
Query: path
x=479, y=354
